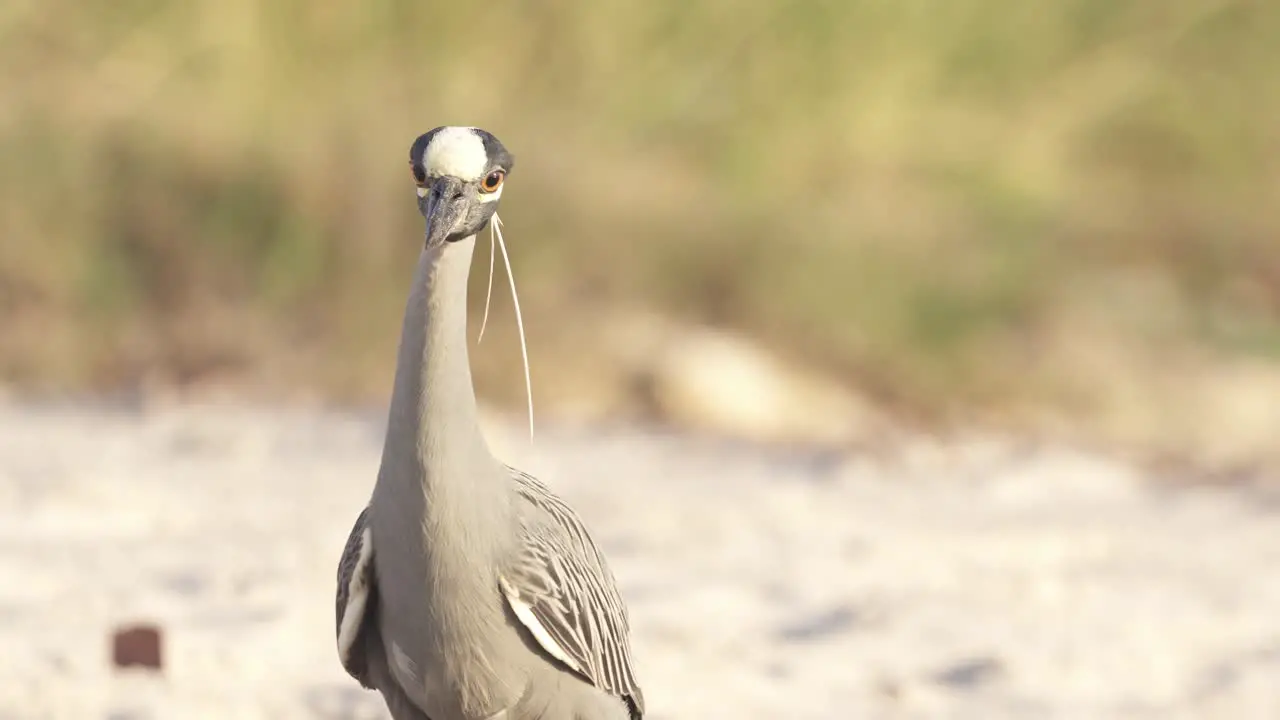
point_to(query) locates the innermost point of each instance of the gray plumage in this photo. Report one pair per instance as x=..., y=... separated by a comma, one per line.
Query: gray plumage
x=467, y=590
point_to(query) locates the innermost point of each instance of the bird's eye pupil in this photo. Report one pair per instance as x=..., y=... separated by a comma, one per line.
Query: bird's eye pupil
x=491, y=182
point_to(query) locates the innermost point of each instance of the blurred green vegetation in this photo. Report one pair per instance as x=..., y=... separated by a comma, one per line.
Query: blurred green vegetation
x=948, y=203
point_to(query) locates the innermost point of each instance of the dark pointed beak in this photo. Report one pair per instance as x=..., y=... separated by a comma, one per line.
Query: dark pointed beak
x=443, y=205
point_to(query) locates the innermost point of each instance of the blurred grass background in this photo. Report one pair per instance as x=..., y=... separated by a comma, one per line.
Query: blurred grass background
x=968, y=208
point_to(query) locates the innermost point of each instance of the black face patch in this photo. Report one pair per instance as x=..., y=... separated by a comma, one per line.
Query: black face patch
x=497, y=152
x=417, y=150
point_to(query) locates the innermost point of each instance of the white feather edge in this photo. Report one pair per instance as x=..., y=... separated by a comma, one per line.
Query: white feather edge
x=524, y=612
x=357, y=597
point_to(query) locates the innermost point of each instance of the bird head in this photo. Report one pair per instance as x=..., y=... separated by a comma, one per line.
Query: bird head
x=459, y=172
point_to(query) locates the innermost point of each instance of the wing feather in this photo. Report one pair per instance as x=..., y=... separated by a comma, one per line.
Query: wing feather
x=562, y=590
x=356, y=599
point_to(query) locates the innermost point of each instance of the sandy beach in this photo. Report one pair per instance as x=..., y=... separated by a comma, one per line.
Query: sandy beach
x=969, y=579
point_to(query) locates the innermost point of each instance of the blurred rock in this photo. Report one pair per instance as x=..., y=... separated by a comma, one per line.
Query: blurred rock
x=717, y=381
x=1239, y=413
x=137, y=646
x=970, y=673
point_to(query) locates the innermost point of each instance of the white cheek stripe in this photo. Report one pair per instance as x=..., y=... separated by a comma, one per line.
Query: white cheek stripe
x=484, y=197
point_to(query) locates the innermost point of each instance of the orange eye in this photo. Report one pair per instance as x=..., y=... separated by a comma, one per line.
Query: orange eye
x=492, y=181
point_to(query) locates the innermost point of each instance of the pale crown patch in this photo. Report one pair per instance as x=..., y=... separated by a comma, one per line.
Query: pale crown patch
x=457, y=152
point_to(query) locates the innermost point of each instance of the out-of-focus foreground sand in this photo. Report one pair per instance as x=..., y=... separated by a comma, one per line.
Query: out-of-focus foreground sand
x=973, y=579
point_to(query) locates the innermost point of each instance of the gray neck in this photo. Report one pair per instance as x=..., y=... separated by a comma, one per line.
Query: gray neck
x=437, y=470
x=442, y=510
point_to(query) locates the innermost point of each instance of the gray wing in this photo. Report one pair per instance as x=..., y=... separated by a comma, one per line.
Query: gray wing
x=356, y=600
x=563, y=592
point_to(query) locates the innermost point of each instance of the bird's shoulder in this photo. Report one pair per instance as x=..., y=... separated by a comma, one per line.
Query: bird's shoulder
x=554, y=521
x=355, y=598
x=560, y=585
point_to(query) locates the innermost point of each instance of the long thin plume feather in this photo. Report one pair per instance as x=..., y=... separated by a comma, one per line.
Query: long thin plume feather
x=488, y=293
x=515, y=298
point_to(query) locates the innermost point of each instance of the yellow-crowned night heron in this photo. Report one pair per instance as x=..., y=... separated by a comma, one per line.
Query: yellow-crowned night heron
x=467, y=589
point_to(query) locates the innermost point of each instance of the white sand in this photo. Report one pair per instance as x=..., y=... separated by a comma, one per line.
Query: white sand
x=966, y=581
